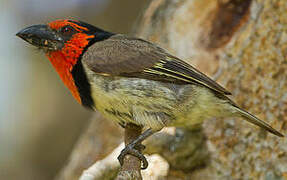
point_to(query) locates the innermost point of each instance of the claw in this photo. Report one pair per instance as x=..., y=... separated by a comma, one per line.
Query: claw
x=130, y=149
x=135, y=148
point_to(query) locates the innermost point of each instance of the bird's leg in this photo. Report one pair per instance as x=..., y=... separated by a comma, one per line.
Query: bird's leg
x=131, y=148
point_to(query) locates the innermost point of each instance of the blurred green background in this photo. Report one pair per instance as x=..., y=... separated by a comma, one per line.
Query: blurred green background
x=39, y=120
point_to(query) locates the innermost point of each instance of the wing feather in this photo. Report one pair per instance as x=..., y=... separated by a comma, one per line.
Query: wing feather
x=185, y=72
x=131, y=57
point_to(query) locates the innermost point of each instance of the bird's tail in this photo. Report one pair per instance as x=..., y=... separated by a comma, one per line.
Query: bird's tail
x=254, y=120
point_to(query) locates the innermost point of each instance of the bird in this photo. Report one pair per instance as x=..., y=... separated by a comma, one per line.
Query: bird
x=131, y=80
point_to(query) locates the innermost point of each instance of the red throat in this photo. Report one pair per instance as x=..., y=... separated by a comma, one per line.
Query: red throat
x=65, y=59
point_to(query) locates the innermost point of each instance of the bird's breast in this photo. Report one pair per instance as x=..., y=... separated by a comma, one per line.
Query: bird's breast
x=139, y=101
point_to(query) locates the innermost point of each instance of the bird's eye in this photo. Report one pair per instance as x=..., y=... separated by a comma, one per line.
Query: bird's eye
x=67, y=30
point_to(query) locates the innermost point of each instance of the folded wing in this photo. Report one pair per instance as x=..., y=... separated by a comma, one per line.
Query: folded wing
x=131, y=57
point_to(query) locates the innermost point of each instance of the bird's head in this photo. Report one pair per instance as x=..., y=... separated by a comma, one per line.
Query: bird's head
x=60, y=35
x=64, y=41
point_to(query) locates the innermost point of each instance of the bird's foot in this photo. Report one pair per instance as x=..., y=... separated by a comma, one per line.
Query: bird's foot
x=135, y=150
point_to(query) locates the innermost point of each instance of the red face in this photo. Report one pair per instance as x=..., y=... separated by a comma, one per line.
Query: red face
x=63, y=41
x=65, y=58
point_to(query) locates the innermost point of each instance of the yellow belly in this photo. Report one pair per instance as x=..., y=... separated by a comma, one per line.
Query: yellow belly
x=154, y=104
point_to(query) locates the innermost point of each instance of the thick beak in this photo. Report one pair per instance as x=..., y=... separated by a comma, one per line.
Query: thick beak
x=41, y=36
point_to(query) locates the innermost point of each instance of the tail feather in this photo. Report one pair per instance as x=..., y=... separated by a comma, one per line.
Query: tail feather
x=254, y=120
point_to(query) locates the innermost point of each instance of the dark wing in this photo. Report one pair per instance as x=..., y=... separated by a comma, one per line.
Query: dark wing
x=131, y=57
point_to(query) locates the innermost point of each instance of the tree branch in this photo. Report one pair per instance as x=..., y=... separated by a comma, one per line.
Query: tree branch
x=173, y=145
x=132, y=165
x=104, y=168
x=109, y=166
